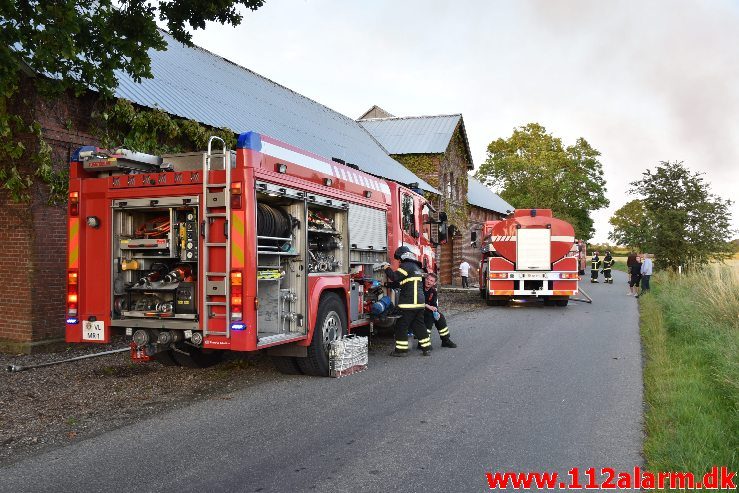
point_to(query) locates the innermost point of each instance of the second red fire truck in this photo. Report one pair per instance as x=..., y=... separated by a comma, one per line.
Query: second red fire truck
x=267, y=247
x=530, y=255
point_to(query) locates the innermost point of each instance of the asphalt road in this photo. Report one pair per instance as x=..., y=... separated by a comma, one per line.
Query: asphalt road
x=529, y=388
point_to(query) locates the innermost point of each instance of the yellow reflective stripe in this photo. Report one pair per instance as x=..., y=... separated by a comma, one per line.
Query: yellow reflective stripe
x=402, y=271
x=74, y=244
x=425, y=339
x=237, y=240
x=410, y=305
x=411, y=279
x=401, y=344
x=444, y=331
x=426, y=344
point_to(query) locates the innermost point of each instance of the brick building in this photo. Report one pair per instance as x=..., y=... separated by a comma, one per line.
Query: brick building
x=436, y=149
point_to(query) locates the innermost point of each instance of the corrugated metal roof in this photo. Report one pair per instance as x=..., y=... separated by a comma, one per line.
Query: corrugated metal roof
x=413, y=135
x=194, y=83
x=481, y=196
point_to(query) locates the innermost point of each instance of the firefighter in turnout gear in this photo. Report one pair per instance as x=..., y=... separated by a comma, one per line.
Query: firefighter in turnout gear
x=595, y=264
x=607, y=265
x=432, y=316
x=409, y=278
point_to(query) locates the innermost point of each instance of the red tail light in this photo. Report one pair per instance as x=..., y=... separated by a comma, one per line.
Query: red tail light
x=498, y=275
x=237, y=301
x=74, y=203
x=72, y=296
x=569, y=275
x=236, y=195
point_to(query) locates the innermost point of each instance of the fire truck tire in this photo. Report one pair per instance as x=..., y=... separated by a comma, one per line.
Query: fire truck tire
x=330, y=325
x=287, y=365
x=562, y=302
x=197, y=358
x=483, y=295
x=165, y=358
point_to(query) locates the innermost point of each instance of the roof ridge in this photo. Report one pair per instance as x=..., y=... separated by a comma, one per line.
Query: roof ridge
x=409, y=117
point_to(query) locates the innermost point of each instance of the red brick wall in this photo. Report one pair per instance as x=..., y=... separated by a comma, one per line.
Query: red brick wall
x=16, y=238
x=33, y=265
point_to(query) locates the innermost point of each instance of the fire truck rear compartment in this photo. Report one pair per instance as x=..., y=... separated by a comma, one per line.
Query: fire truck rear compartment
x=155, y=263
x=281, y=271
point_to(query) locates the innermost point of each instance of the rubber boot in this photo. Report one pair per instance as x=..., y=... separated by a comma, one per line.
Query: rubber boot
x=426, y=352
x=418, y=346
x=447, y=342
x=398, y=354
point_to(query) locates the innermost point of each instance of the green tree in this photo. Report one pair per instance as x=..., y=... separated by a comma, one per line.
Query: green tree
x=78, y=45
x=690, y=225
x=533, y=169
x=632, y=227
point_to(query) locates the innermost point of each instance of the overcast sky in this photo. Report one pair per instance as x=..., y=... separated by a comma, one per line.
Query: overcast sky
x=641, y=81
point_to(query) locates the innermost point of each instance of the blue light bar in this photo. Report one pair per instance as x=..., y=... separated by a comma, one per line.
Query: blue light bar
x=72, y=321
x=249, y=140
x=238, y=326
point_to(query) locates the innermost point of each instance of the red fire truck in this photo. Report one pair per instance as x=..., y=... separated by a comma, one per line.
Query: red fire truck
x=267, y=247
x=529, y=255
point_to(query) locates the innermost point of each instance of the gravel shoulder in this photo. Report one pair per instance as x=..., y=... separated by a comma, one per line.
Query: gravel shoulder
x=52, y=406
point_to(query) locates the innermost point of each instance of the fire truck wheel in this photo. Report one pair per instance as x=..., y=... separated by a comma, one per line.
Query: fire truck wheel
x=197, y=358
x=330, y=325
x=286, y=365
x=165, y=358
x=482, y=294
x=562, y=302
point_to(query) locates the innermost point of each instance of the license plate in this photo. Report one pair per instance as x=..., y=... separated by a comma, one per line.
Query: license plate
x=93, y=331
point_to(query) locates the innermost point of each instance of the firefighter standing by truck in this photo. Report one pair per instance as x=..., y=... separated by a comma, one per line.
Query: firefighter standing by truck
x=431, y=315
x=595, y=264
x=409, y=278
x=607, y=266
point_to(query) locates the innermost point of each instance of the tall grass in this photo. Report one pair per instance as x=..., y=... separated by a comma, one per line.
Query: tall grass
x=690, y=335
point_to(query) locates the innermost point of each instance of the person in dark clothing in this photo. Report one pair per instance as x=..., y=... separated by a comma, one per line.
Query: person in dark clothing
x=431, y=315
x=635, y=277
x=594, y=266
x=409, y=278
x=630, y=259
x=607, y=265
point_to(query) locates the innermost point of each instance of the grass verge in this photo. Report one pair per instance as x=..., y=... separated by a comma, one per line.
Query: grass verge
x=620, y=264
x=690, y=336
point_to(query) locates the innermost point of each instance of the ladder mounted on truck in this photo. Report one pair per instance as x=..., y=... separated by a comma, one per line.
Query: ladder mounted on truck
x=217, y=209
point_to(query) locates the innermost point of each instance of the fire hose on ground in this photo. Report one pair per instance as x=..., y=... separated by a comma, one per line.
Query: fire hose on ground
x=17, y=368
